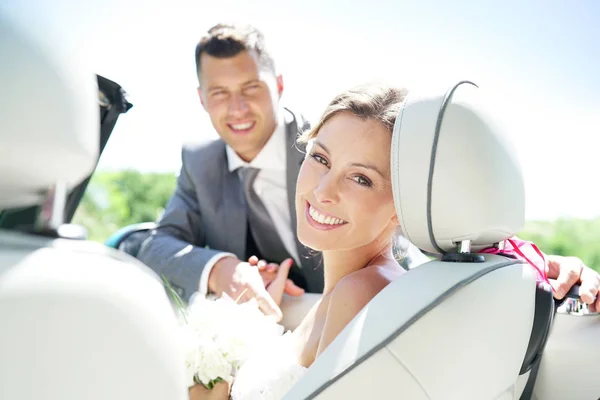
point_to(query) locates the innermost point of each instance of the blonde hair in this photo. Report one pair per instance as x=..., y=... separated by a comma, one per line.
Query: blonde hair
x=378, y=102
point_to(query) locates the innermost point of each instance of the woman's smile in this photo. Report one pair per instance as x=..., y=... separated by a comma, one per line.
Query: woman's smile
x=322, y=221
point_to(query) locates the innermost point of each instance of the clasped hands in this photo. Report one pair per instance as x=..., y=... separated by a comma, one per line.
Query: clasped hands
x=258, y=279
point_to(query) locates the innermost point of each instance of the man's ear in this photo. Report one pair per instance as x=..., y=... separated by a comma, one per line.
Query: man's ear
x=395, y=219
x=280, y=85
x=201, y=98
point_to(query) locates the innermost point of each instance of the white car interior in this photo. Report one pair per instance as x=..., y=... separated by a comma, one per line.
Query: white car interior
x=79, y=320
x=83, y=321
x=569, y=367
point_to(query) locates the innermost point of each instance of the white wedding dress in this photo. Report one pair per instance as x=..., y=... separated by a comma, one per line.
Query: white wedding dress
x=270, y=374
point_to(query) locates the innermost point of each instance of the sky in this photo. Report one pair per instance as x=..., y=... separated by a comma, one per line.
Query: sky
x=539, y=60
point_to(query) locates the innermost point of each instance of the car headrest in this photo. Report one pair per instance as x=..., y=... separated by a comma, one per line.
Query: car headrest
x=455, y=173
x=49, y=113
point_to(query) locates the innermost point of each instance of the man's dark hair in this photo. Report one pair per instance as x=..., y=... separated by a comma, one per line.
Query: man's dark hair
x=227, y=40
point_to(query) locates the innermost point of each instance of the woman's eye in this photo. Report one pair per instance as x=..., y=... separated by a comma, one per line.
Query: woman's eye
x=361, y=180
x=319, y=158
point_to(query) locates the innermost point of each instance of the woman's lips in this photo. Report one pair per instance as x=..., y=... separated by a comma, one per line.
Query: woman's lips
x=322, y=221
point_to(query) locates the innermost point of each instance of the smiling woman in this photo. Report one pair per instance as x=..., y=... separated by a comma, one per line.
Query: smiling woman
x=344, y=198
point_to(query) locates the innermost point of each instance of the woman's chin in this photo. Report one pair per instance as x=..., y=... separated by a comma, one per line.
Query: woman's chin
x=311, y=240
x=311, y=244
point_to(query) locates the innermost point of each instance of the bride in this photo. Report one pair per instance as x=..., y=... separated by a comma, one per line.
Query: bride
x=345, y=209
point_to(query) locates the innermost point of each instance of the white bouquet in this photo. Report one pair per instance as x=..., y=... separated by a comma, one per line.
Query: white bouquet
x=220, y=335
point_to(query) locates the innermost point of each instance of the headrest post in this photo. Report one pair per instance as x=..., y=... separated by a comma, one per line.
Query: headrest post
x=53, y=209
x=463, y=254
x=464, y=246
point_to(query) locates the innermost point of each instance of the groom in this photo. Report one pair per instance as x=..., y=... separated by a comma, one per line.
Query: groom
x=235, y=196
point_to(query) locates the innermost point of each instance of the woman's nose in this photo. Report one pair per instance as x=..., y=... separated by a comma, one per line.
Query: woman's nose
x=327, y=190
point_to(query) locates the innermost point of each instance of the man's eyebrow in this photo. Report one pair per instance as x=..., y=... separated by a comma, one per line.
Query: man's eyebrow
x=216, y=87
x=251, y=81
x=221, y=87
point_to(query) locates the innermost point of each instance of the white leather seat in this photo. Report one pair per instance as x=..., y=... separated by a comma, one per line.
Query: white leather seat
x=78, y=321
x=444, y=330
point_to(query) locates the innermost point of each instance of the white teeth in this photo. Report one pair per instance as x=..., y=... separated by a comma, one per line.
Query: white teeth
x=241, y=127
x=322, y=219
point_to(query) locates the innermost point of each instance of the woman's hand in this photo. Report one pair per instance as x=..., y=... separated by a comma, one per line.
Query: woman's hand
x=271, y=271
x=219, y=392
x=278, y=285
x=276, y=278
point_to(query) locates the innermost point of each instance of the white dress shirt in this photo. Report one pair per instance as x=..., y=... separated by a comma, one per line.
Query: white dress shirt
x=271, y=187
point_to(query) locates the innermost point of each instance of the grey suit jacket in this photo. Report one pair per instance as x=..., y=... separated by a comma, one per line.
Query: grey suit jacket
x=206, y=215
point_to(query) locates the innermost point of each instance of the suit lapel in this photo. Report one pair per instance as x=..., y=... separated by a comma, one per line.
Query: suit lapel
x=310, y=262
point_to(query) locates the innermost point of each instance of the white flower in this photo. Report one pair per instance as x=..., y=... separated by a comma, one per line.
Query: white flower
x=212, y=364
x=204, y=359
x=220, y=335
x=191, y=344
x=234, y=348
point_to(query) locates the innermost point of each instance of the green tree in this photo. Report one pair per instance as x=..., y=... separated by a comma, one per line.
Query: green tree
x=117, y=199
x=567, y=237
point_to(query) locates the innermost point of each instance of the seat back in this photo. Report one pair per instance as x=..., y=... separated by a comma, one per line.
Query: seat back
x=442, y=331
x=458, y=328
x=79, y=320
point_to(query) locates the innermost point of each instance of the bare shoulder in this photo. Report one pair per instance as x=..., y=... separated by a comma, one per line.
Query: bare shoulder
x=351, y=294
x=361, y=286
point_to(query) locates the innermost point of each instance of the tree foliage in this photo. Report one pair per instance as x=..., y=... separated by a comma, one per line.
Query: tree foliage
x=117, y=199
x=570, y=237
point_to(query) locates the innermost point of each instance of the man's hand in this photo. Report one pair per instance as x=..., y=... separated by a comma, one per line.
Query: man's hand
x=242, y=282
x=565, y=272
x=268, y=271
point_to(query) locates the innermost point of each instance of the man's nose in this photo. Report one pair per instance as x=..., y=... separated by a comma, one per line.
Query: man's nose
x=238, y=105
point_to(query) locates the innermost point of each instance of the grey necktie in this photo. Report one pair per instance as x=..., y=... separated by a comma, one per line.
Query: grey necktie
x=263, y=230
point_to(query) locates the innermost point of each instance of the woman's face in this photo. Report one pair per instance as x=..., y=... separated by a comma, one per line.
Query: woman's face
x=344, y=194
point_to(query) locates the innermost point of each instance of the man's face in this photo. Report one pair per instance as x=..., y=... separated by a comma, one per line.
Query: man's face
x=241, y=101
